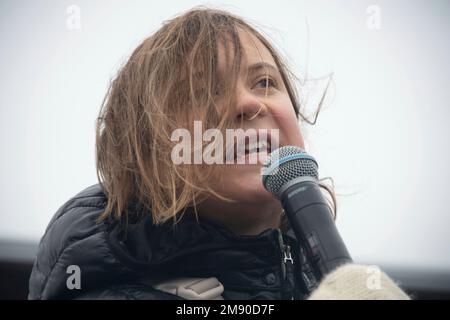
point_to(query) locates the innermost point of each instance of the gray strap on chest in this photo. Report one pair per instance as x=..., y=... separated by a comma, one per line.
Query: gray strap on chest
x=193, y=288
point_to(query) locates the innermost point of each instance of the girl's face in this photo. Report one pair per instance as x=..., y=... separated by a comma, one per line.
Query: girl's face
x=242, y=182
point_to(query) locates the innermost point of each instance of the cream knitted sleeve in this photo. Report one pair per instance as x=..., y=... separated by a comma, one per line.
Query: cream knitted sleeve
x=358, y=282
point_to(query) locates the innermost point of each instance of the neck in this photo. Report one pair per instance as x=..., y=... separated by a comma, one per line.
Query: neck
x=243, y=218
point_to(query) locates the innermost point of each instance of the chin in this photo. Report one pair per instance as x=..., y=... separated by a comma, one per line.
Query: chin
x=249, y=188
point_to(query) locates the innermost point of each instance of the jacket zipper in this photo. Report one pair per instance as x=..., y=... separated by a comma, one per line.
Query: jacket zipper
x=287, y=263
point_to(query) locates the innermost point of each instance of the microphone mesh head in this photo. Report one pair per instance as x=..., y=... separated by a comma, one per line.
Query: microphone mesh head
x=285, y=164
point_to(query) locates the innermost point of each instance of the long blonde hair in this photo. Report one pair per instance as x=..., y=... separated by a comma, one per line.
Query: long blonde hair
x=169, y=80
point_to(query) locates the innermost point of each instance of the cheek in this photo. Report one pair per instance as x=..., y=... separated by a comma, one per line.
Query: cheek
x=286, y=120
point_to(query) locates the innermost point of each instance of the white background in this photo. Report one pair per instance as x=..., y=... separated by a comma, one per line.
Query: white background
x=383, y=136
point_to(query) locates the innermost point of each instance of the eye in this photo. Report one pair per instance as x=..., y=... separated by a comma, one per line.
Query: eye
x=266, y=82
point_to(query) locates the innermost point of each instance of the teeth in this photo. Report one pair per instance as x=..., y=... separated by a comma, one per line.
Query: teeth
x=257, y=146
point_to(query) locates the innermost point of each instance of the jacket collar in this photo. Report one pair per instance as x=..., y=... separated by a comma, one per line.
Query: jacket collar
x=247, y=266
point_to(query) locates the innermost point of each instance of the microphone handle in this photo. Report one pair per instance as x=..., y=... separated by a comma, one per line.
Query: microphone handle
x=311, y=219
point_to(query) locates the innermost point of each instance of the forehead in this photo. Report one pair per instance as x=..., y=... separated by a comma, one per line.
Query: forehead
x=253, y=51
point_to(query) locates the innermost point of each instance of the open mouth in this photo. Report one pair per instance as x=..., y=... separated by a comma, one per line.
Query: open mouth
x=256, y=147
x=253, y=146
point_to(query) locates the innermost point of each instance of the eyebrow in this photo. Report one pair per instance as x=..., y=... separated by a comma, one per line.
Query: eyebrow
x=261, y=65
x=254, y=68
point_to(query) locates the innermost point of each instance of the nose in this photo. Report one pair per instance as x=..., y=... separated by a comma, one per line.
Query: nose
x=249, y=106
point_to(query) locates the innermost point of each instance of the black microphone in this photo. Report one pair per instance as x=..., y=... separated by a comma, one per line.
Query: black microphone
x=291, y=175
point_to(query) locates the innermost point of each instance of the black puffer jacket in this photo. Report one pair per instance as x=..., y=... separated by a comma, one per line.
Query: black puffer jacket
x=118, y=265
